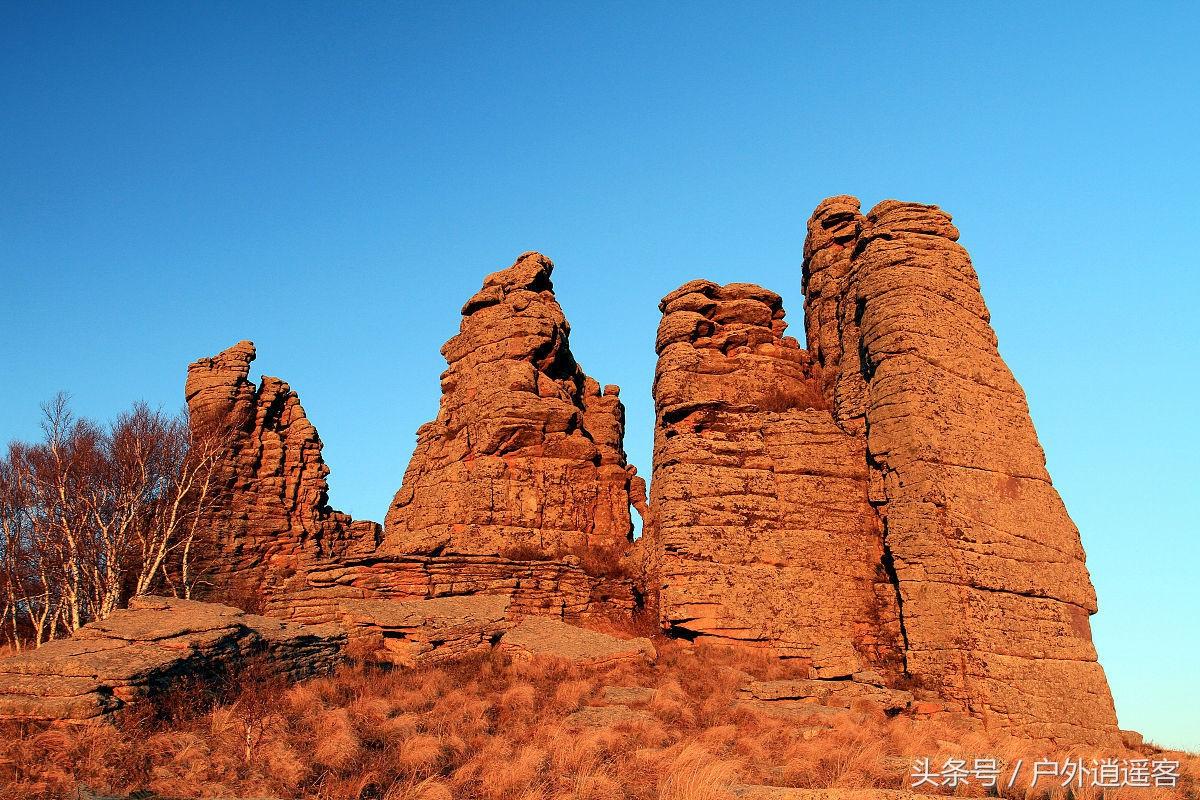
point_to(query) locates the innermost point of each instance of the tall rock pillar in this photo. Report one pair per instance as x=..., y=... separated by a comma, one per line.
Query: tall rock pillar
x=994, y=594
x=272, y=516
x=762, y=530
x=525, y=457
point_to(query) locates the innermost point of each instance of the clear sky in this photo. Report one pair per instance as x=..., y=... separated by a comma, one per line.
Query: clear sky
x=334, y=180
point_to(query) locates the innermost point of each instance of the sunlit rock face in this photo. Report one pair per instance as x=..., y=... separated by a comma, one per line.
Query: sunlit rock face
x=994, y=594
x=875, y=507
x=762, y=529
x=272, y=514
x=526, y=452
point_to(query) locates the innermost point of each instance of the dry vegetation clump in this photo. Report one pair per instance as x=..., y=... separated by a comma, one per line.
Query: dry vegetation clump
x=486, y=728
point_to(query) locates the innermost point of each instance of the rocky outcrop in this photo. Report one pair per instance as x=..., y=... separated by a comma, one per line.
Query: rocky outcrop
x=558, y=588
x=804, y=695
x=762, y=529
x=525, y=455
x=880, y=501
x=272, y=513
x=519, y=489
x=877, y=504
x=141, y=652
x=413, y=632
x=540, y=636
x=989, y=570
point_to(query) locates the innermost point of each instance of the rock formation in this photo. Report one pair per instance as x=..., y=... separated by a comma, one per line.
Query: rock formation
x=880, y=501
x=798, y=697
x=428, y=631
x=993, y=592
x=526, y=452
x=875, y=508
x=140, y=652
x=559, y=588
x=411, y=632
x=538, y=636
x=272, y=514
x=762, y=529
x=519, y=489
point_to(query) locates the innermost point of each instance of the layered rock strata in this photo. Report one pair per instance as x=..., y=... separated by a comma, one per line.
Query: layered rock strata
x=762, y=530
x=271, y=515
x=875, y=505
x=786, y=697
x=525, y=455
x=993, y=591
x=519, y=488
x=535, y=637
x=141, y=652
x=559, y=588
x=413, y=632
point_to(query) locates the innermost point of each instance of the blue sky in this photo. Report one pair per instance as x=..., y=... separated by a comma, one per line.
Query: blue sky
x=332, y=181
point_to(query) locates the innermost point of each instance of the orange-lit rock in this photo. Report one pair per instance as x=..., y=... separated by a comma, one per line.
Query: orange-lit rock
x=526, y=452
x=994, y=593
x=272, y=515
x=762, y=531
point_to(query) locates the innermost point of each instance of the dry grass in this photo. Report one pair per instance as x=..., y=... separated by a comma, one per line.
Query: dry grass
x=488, y=729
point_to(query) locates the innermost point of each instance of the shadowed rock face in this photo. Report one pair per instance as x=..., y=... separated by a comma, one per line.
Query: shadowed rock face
x=273, y=514
x=994, y=594
x=762, y=529
x=526, y=451
x=143, y=651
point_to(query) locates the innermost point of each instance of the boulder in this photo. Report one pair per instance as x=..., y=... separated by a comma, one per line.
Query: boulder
x=627, y=695
x=606, y=717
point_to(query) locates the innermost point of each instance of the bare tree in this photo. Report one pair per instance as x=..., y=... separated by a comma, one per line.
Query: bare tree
x=90, y=516
x=186, y=494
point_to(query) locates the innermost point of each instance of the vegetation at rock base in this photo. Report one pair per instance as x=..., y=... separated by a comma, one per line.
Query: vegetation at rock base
x=485, y=728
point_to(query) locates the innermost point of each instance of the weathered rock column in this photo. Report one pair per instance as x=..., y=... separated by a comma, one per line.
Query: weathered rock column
x=272, y=515
x=525, y=456
x=761, y=527
x=995, y=596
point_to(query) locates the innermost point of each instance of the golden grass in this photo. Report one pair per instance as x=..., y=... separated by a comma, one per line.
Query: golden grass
x=485, y=728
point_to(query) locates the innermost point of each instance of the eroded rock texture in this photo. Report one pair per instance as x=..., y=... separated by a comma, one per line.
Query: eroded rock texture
x=539, y=636
x=143, y=651
x=407, y=633
x=994, y=593
x=762, y=529
x=272, y=513
x=519, y=490
x=559, y=588
x=526, y=452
